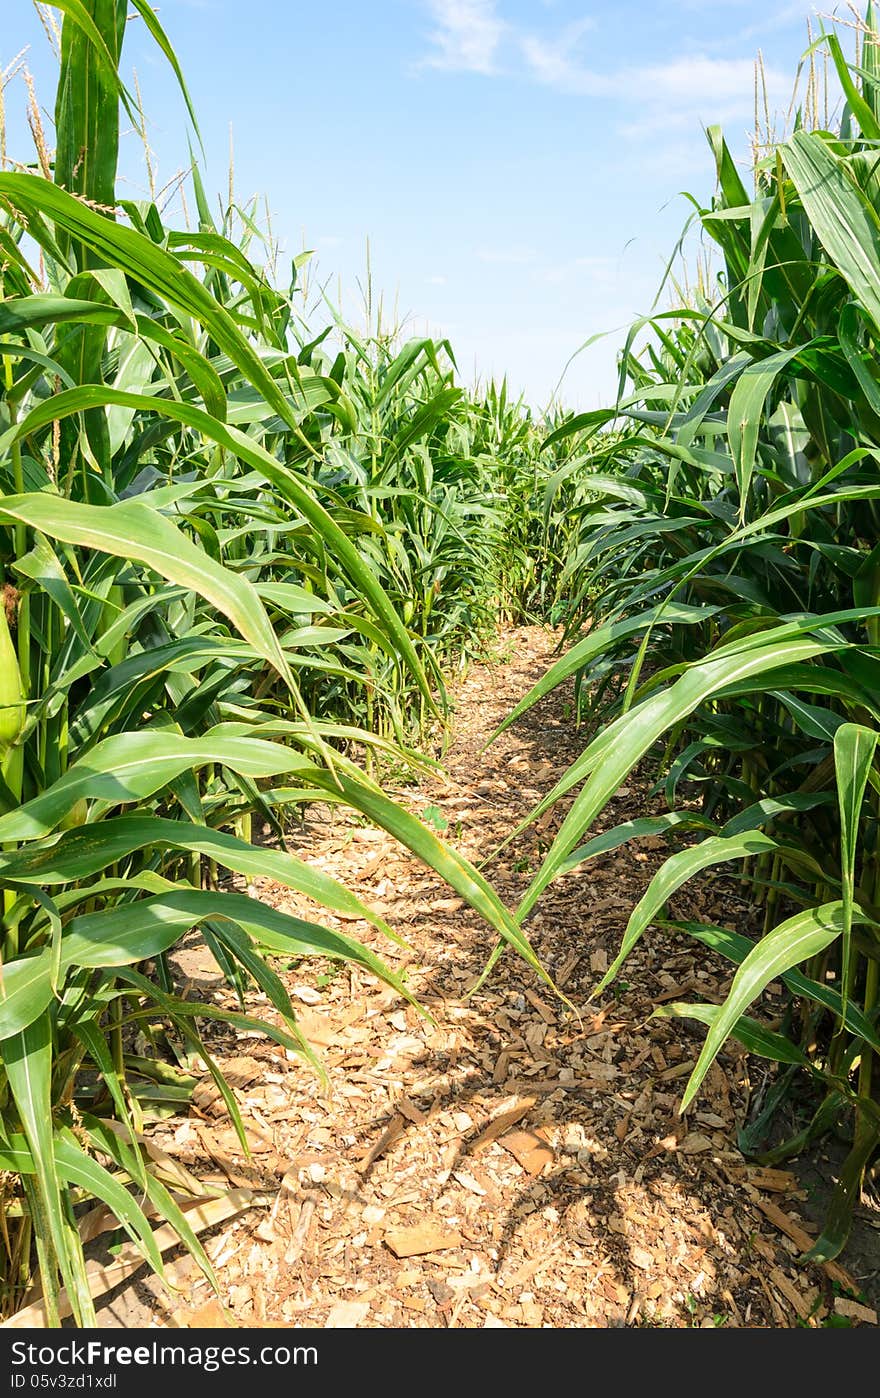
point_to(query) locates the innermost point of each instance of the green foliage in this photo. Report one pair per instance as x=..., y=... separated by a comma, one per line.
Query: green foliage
x=236, y=562
x=724, y=547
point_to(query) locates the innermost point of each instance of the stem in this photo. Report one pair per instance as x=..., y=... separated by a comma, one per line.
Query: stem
x=116, y=1037
x=13, y=767
x=866, y=1066
x=20, y=536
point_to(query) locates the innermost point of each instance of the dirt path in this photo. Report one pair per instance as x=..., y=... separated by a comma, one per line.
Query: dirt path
x=534, y=1167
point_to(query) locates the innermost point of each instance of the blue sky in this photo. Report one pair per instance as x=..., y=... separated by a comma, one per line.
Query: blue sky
x=516, y=164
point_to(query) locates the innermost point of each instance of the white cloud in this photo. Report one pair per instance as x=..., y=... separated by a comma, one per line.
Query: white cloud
x=722, y=92
x=779, y=17
x=555, y=62
x=467, y=35
x=472, y=35
x=680, y=88
x=689, y=81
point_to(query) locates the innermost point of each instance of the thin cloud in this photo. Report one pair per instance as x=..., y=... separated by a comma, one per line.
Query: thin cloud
x=555, y=62
x=467, y=36
x=681, y=86
x=779, y=17
x=473, y=36
x=692, y=81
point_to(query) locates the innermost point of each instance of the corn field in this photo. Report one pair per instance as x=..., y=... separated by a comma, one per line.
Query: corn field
x=242, y=558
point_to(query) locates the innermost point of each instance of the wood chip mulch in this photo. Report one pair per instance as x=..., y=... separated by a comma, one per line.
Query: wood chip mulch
x=508, y=1165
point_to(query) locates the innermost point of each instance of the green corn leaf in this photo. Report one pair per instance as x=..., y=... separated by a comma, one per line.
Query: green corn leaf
x=638, y=829
x=838, y=1220
x=78, y=854
x=754, y=1036
x=137, y=931
x=861, y=109
x=296, y=490
x=854, y=748
x=736, y=948
x=452, y=867
x=744, y=416
x=27, y=1058
x=106, y=1140
x=844, y=221
x=86, y=1173
x=128, y=767
x=77, y=1168
x=793, y=941
x=43, y=567
x=150, y=19
x=626, y=740
x=716, y=849
x=132, y=530
x=597, y=643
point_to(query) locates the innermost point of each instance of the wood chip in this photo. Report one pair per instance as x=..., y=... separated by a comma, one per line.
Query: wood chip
x=347, y=1315
x=776, y=1181
x=317, y=1027
x=392, y=1133
x=301, y=1230
x=790, y=1292
x=101, y=1279
x=779, y=1316
x=211, y=1316
x=537, y=1003
x=410, y=1111
x=853, y=1310
x=530, y=1150
x=675, y=993
x=502, y=1063
x=307, y=993
x=569, y=966
x=239, y=1072
x=505, y=1118
x=234, y=1173
x=422, y=1238
x=695, y=1142
x=413, y=1303
x=793, y=1230
x=678, y=1070
x=468, y=1182
x=640, y=1257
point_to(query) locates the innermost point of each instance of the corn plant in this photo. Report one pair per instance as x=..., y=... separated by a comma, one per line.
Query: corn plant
x=726, y=544
x=179, y=577
x=405, y=464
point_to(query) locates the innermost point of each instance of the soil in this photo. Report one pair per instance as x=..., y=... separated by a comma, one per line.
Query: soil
x=509, y=1163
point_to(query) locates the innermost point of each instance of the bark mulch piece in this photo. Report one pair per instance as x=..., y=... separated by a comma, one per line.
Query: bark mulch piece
x=510, y=1163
